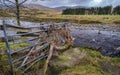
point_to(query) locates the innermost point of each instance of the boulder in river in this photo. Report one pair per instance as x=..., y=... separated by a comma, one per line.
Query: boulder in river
x=117, y=51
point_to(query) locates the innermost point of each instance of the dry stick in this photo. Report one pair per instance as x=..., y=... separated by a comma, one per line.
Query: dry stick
x=27, y=56
x=52, y=46
x=25, y=59
x=62, y=47
x=48, y=59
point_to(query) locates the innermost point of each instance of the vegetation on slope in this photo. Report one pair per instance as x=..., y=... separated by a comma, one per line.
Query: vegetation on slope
x=4, y=65
x=74, y=61
x=84, y=61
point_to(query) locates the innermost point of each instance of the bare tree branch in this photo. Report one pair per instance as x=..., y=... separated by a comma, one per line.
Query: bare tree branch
x=17, y=6
x=9, y=1
x=23, y=2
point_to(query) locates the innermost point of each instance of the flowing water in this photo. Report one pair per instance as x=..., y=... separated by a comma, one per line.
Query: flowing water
x=107, y=42
x=103, y=37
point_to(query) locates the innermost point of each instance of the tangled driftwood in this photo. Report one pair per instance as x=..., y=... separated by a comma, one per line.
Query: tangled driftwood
x=59, y=39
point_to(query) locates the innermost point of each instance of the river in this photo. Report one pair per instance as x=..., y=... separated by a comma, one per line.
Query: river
x=102, y=37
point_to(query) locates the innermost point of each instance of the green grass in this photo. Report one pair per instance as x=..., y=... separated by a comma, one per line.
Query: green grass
x=86, y=69
x=13, y=46
x=4, y=65
x=90, y=65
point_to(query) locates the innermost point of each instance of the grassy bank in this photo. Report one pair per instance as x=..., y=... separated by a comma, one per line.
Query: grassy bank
x=84, y=61
x=91, y=63
x=4, y=65
x=81, y=19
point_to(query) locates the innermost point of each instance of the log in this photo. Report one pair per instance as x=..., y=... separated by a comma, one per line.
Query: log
x=48, y=59
x=52, y=46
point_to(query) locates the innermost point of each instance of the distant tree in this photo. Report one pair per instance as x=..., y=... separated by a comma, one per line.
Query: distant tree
x=107, y=10
x=117, y=10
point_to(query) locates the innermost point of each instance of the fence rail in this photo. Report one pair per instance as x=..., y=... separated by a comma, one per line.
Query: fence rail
x=38, y=47
x=32, y=48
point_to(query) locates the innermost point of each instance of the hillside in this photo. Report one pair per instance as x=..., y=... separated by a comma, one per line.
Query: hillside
x=65, y=7
x=37, y=6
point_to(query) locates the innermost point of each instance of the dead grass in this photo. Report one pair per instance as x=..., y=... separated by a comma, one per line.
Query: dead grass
x=55, y=16
x=81, y=19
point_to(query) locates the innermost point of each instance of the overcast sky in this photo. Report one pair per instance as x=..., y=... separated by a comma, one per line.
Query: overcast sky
x=57, y=3
x=89, y=3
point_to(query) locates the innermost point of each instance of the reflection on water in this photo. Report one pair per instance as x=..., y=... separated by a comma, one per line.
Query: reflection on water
x=25, y=24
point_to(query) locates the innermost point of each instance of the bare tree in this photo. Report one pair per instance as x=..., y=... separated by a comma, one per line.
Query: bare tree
x=17, y=5
x=112, y=10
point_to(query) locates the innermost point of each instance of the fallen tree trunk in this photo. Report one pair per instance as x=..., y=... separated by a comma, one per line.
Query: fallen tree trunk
x=48, y=59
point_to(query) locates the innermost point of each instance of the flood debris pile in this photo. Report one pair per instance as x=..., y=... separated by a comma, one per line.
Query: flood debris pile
x=58, y=38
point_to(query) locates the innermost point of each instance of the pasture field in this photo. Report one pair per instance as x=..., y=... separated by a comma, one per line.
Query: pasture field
x=56, y=16
x=81, y=19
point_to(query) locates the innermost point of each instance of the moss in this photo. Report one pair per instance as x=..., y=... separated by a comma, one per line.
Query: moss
x=2, y=46
x=13, y=46
x=4, y=57
x=63, y=58
x=54, y=70
x=116, y=60
x=83, y=69
x=4, y=65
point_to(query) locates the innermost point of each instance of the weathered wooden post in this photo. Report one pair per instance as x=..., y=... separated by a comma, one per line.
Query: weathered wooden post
x=1, y=28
